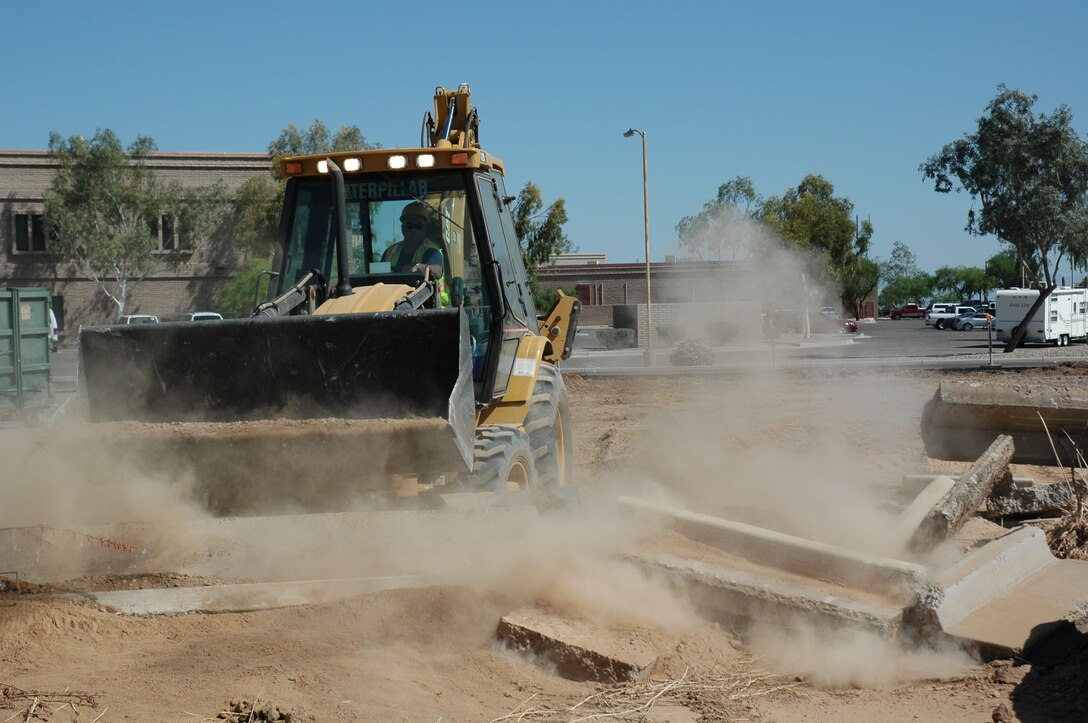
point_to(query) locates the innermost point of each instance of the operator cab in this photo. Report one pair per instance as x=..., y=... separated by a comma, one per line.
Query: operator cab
x=465, y=214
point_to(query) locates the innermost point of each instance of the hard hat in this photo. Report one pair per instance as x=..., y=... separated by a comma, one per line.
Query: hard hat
x=417, y=208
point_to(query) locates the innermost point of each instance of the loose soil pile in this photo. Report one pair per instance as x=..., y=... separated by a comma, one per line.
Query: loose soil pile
x=814, y=453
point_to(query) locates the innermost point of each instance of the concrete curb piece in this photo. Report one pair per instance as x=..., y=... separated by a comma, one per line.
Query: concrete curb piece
x=579, y=650
x=796, y=555
x=248, y=597
x=1034, y=500
x=990, y=570
x=965, y=497
x=1011, y=595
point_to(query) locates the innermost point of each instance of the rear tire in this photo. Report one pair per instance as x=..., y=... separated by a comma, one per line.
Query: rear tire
x=503, y=460
x=548, y=425
x=939, y=324
x=896, y=317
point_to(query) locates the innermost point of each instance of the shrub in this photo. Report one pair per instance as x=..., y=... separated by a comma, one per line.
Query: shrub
x=722, y=332
x=616, y=338
x=692, y=352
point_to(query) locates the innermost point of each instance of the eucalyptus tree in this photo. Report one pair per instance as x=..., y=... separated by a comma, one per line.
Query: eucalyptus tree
x=1029, y=174
x=115, y=220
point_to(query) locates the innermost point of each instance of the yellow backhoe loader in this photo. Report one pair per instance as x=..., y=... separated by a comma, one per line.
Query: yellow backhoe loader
x=380, y=363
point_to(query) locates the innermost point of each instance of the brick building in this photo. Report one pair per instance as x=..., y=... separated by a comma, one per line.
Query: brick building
x=196, y=284
x=687, y=295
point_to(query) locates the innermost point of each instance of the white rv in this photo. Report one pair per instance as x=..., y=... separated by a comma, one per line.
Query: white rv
x=1061, y=318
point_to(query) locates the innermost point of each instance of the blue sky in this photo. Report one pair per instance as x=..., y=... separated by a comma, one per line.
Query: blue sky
x=859, y=92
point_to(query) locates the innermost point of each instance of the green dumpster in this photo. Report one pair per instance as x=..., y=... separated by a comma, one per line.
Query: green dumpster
x=25, y=349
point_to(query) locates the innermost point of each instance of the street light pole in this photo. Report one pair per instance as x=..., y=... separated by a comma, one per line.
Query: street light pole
x=646, y=226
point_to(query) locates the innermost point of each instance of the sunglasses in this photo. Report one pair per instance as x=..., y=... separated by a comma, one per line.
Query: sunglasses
x=412, y=224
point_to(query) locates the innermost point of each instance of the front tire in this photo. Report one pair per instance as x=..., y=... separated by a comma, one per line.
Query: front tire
x=896, y=317
x=939, y=324
x=548, y=425
x=967, y=327
x=503, y=460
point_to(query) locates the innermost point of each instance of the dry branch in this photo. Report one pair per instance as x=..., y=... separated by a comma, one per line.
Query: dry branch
x=629, y=701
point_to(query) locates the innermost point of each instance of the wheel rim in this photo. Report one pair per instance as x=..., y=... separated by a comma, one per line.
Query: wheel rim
x=560, y=451
x=518, y=479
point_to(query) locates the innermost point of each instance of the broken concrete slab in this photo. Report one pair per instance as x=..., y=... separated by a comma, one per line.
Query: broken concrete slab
x=579, y=649
x=1023, y=501
x=284, y=547
x=1000, y=597
x=247, y=597
x=964, y=418
x=778, y=550
x=964, y=498
x=739, y=589
x=1011, y=593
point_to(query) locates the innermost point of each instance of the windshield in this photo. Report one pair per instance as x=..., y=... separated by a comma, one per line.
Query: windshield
x=375, y=205
x=396, y=225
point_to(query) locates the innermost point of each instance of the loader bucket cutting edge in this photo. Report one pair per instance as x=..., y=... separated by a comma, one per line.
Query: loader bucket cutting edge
x=387, y=375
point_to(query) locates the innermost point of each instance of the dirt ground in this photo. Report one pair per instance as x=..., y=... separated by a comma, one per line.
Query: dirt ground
x=814, y=453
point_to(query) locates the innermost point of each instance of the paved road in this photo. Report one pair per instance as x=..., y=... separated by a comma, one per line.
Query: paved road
x=904, y=343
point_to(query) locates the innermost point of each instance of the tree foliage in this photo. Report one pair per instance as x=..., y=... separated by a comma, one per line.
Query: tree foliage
x=106, y=210
x=962, y=282
x=917, y=287
x=258, y=201
x=859, y=281
x=539, y=228
x=901, y=263
x=242, y=291
x=1006, y=271
x=725, y=227
x=1029, y=174
x=812, y=217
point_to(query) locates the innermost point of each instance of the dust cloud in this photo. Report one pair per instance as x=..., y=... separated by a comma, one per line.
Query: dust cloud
x=60, y=476
x=815, y=453
x=853, y=658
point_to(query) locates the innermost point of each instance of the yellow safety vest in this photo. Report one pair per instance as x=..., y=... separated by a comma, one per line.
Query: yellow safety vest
x=424, y=250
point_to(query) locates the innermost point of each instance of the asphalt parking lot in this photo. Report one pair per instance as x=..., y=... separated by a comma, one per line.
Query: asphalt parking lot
x=880, y=342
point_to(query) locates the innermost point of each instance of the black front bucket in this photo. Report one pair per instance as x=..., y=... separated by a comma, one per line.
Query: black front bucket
x=380, y=366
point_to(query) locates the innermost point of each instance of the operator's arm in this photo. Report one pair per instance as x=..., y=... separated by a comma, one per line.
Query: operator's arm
x=434, y=261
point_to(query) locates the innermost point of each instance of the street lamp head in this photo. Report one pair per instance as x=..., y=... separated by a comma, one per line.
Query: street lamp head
x=630, y=132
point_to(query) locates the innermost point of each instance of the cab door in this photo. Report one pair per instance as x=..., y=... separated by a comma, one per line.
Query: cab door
x=520, y=315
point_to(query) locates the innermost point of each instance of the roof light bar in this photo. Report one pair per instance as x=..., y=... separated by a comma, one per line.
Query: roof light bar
x=397, y=162
x=425, y=160
x=352, y=164
x=322, y=166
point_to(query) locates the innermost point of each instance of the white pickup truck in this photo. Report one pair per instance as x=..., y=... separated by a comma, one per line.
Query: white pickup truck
x=943, y=319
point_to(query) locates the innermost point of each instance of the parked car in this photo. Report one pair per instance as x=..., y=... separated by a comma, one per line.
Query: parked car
x=204, y=316
x=54, y=337
x=907, y=311
x=980, y=319
x=139, y=319
x=944, y=319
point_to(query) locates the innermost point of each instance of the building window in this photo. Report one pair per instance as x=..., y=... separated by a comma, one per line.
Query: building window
x=30, y=235
x=165, y=230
